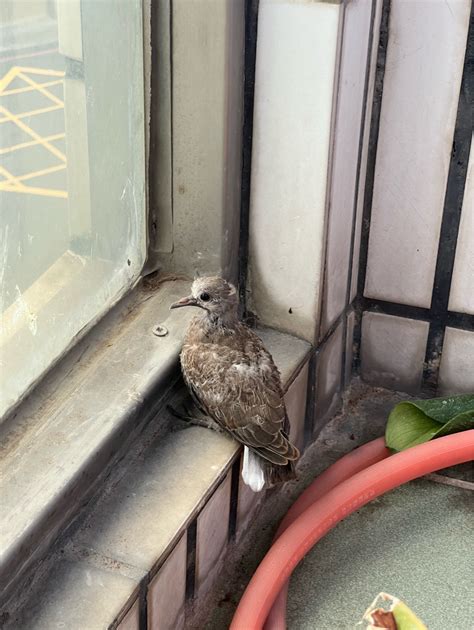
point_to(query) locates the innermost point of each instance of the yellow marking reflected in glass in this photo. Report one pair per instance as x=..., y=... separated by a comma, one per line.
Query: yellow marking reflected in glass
x=12, y=183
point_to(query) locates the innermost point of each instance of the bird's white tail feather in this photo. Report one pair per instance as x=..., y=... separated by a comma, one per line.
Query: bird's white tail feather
x=252, y=470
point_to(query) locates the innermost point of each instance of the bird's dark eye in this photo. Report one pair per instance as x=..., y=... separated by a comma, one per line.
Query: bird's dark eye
x=205, y=297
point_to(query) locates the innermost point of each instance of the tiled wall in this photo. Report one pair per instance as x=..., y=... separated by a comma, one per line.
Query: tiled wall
x=295, y=78
x=416, y=279
x=389, y=282
x=351, y=125
x=310, y=140
x=358, y=22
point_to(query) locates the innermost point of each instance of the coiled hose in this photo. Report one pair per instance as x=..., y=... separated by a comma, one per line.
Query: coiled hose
x=350, y=483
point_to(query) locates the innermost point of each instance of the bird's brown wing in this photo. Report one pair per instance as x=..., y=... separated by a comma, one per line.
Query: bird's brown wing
x=243, y=399
x=256, y=419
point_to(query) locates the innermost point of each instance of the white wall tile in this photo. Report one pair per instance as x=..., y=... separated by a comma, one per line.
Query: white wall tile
x=328, y=376
x=212, y=532
x=167, y=591
x=295, y=400
x=365, y=148
x=461, y=297
x=295, y=71
x=456, y=373
x=247, y=502
x=350, y=102
x=131, y=621
x=427, y=43
x=393, y=351
x=207, y=95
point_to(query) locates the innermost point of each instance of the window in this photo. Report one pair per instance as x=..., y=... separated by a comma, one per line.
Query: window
x=72, y=174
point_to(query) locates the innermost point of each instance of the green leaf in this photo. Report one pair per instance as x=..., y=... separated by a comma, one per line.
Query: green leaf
x=414, y=422
x=461, y=422
x=444, y=409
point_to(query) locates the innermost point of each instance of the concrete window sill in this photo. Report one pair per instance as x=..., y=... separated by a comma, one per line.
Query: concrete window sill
x=60, y=441
x=115, y=384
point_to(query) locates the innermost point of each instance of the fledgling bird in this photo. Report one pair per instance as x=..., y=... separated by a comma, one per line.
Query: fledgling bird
x=234, y=380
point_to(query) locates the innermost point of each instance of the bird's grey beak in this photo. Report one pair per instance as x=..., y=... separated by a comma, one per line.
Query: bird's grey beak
x=186, y=301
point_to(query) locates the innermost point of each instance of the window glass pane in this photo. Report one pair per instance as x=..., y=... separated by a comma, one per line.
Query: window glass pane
x=72, y=175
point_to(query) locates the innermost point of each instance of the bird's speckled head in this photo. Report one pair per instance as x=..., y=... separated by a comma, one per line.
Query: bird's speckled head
x=213, y=294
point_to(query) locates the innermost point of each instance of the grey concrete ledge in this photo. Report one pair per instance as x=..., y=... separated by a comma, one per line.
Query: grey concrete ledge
x=127, y=532
x=82, y=417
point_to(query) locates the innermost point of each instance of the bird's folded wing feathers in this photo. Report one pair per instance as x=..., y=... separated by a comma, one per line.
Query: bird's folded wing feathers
x=250, y=408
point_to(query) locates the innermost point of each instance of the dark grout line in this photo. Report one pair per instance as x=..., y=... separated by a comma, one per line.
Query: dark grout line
x=191, y=536
x=452, y=319
x=250, y=54
x=394, y=308
x=463, y=321
x=234, y=498
x=143, y=607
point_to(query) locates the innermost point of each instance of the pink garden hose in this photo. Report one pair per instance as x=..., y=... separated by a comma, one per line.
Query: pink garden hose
x=348, y=465
x=334, y=498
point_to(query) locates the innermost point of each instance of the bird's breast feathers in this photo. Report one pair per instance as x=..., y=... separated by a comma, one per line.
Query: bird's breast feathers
x=204, y=361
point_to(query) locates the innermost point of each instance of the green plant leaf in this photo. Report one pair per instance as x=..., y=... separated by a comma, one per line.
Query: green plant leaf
x=414, y=422
x=461, y=422
x=444, y=409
